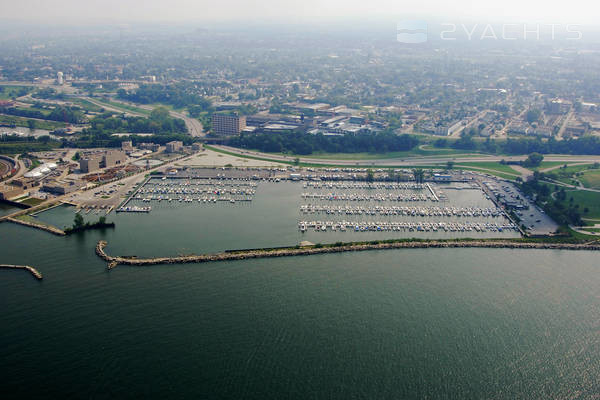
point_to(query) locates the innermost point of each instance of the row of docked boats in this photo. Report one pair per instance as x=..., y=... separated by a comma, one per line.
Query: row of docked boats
x=378, y=196
x=188, y=199
x=218, y=191
x=134, y=209
x=386, y=226
x=345, y=185
x=432, y=211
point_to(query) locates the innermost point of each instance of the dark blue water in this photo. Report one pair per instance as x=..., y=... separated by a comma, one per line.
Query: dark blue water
x=455, y=323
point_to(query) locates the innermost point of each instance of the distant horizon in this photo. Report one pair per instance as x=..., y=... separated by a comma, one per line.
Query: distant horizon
x=75, y=13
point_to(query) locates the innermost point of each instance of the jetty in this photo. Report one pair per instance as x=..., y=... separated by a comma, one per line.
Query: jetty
x=43, y=227
x=336, y=248
x=36, y=274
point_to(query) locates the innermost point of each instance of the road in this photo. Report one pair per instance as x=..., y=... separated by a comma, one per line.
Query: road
x=194, y=126
x=407, y=161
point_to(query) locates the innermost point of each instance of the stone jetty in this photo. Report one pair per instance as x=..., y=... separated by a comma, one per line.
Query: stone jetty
x=37, y=274
x=327, y=249
x=47, y=228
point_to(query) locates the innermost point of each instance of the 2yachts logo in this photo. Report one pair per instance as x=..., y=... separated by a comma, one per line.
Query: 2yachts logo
x=416, y=31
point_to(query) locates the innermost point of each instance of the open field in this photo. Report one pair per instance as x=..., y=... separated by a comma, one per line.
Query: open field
x=123, y=106
x=32, y=201
x=591, y=179
x=8, y=92
x=585, y=199
x=22, y=121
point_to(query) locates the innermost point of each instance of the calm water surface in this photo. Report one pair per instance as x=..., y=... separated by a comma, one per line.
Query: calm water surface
x=453, y=323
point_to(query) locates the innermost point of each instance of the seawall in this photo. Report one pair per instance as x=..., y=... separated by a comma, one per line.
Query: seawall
x=305, y=251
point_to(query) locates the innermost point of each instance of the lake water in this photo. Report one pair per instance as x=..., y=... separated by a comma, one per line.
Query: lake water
x=427, y=323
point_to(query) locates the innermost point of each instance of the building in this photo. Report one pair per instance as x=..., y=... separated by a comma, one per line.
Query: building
x=149, y=146
x=228, y=124
x=559, y=106
x=60, y=78
x=127, y=146
x=61, y=187
x=174, y=147
x=89, y=164
x=111, y=158
x=26, y=183
x=8, y=192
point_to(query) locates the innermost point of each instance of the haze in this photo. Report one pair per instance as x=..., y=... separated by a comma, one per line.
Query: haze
x=77, y=12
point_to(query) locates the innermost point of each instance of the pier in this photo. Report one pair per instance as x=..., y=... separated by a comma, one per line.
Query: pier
x=36, y=274
x=43, y=227
x=336, y=248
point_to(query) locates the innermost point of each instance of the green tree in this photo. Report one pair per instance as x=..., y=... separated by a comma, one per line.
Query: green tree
x=419, y=175
x=78, y=221
x=31, y=124
x=449, y=165
x=370, y=175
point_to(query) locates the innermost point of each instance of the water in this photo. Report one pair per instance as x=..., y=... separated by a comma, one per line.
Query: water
x=427, y=323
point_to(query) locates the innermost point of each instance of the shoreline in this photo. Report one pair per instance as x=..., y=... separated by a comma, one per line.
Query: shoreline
x=232, y=255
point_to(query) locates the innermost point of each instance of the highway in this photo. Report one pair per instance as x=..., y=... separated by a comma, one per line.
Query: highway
x=407, y=161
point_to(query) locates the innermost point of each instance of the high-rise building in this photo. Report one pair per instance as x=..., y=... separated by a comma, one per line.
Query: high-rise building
x=60, y=78
x=228, y=124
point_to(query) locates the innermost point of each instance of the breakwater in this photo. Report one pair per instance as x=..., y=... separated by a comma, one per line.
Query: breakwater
x=47, y=228
x=37, y=274
x=338, y=248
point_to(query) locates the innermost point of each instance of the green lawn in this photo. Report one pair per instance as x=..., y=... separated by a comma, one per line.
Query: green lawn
x=8, y=92
x=39, y=124
x=591, y=179
x=32, y=201
x=585, y=199
x=496, y=166
x=87, y=105
x=123, y=107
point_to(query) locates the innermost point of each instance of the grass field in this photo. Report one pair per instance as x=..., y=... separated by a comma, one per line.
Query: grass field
x=496, y=166
x=21, y=121
x=87, y=105
x=569, y=175
x=585, y=199
x=591, y=179
x=8, y=92
x=32, y=201
x=123, y=107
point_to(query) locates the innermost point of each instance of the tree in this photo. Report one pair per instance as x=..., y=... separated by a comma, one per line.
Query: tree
x=449, y=165
x=78, y=221
x=370, y=175
x=533, y=160
x=31, y=124
x=419, y=175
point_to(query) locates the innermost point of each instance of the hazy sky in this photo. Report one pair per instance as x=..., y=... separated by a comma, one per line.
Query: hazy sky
x=74, y=11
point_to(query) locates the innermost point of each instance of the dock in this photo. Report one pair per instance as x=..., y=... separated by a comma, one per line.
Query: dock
x=36, y=274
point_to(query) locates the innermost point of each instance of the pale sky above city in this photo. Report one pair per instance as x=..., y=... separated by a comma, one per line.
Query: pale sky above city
x=78, y=11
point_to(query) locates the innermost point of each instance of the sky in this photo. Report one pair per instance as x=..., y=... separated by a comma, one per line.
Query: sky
x=100, y=11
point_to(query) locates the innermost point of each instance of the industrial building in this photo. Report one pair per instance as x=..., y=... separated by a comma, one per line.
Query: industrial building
x=228, y=124
x=174, y=147
x=109, y=159
x=61, y=187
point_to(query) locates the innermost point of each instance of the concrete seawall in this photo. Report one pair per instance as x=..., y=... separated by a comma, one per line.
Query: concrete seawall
x=36, y=274
x=305, y=251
